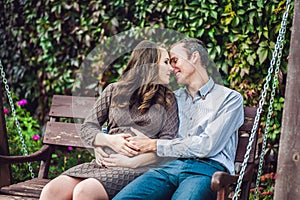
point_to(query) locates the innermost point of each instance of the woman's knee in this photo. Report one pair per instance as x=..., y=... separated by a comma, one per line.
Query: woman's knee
x=51, y=188
x=89, y=189
x=60, y=187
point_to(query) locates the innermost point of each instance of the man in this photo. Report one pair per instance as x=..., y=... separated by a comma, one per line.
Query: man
x=209, y=116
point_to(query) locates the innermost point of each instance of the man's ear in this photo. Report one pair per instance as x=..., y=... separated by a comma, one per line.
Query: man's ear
x=196, y=57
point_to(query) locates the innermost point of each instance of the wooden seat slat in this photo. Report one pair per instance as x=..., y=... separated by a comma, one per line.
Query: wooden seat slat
x=13, y=197
x=24, y=193
x=30, y=188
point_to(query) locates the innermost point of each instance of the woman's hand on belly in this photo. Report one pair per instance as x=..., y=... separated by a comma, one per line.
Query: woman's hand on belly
x=120, y=144
x=118, y=160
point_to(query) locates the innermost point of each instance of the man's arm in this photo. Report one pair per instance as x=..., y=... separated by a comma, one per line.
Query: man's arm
x=207, y=143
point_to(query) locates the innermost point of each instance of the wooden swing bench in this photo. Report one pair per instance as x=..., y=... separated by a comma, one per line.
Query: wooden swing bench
x=67, y=134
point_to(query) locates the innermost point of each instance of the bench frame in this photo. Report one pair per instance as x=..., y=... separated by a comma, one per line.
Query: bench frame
x=67, y=134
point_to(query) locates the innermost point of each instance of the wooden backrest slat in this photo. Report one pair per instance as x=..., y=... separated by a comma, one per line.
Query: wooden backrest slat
x=249, y=116
x=244, y=134
x=64, y=134
x=71, y=106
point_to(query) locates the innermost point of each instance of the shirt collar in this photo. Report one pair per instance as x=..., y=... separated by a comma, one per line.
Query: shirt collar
x=207, y=88
x=204, y=90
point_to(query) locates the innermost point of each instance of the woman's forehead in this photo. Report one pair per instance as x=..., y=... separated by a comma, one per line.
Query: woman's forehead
x=164, y=52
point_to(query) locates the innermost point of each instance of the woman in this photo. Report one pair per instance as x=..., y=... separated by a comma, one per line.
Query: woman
x=139, y=100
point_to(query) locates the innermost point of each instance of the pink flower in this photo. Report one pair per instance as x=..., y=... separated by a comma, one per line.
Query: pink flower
x=267, y=193
x=70, y=148
x=5, y=110
x=36, y=137
x=22, y=102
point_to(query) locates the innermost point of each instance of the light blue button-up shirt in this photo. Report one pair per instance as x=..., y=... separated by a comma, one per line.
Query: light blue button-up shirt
x=209, y=125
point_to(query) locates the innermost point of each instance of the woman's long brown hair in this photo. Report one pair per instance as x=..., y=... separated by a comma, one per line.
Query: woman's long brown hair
x=138, y=83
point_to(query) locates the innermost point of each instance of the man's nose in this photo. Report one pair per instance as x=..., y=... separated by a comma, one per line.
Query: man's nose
x=174, y=68
x=173, y=65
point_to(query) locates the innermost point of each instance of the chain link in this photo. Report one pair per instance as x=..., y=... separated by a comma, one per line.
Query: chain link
x=276, y=54
x=15, y=117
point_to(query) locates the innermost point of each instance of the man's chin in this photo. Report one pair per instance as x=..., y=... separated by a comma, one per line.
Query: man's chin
x=180, y=81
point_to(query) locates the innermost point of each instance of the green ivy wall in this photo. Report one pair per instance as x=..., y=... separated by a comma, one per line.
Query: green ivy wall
x=43, y=42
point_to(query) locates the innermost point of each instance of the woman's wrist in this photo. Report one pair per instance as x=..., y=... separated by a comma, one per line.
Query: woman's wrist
x=133, y=163
x=99, y=140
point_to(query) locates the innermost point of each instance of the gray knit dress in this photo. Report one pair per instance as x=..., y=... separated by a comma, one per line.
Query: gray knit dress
x=154, y=123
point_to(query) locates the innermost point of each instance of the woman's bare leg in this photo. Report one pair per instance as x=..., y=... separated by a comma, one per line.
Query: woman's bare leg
x=60, y=188
x=90, y=189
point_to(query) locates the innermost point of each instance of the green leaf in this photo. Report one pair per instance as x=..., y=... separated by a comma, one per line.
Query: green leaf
x=213, y=2
x=250, y=60
x=264, y=44
x=281, y=100
x=211, y=33
x=262, y=54
x=54, y=156
x=266, y=32
x=241, y=12
x=199, y=33
x=214, y=14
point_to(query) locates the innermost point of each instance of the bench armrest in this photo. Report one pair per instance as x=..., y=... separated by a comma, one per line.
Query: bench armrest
x=221, y=180
x=41, y=154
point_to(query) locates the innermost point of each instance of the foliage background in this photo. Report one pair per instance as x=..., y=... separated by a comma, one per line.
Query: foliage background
x=43, y=43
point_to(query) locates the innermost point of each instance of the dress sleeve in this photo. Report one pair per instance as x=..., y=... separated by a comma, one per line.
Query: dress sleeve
x=98, y=115
x=171, y=122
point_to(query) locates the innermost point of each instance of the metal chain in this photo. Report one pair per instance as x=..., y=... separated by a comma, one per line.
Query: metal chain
x=278, y=47
x=276, y=54
x=15, y=117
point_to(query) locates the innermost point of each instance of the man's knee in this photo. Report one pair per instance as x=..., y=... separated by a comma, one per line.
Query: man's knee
x=194, y=187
